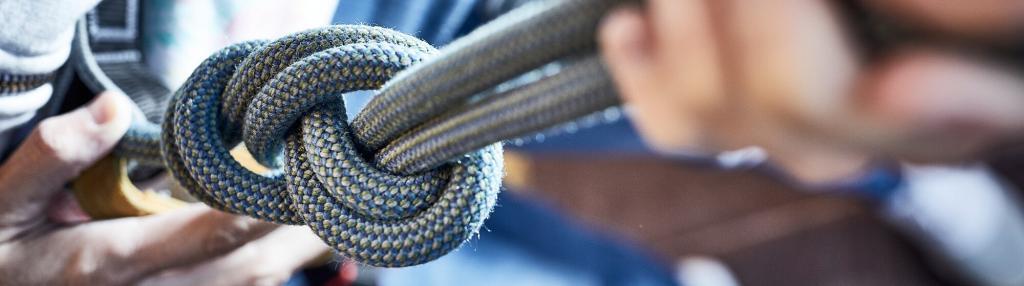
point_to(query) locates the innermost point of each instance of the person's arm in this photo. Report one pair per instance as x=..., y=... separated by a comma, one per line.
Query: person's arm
x=787, y=76
x=38, y=247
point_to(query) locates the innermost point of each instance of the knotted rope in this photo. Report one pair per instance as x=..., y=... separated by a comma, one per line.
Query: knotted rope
x=415, y=174
x=419, y=169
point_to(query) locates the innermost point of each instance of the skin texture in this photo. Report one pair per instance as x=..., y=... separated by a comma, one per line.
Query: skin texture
x=784, y=75
x=700, y=74
x=45, y=239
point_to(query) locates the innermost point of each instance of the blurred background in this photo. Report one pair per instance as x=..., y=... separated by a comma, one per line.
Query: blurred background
x=595, y=207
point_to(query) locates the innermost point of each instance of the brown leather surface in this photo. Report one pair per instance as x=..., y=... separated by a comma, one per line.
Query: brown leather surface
x=766, y=232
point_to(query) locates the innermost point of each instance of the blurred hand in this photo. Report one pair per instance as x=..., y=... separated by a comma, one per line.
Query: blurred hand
x=270, y=260
x=44, y=241
x=783, y=75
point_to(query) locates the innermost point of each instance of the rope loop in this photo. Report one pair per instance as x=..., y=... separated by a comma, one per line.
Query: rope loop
x=283, y=99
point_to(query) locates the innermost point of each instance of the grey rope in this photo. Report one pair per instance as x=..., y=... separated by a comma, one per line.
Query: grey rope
x=419, y=169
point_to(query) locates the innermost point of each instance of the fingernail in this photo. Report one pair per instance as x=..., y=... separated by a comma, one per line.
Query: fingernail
x=105, y=107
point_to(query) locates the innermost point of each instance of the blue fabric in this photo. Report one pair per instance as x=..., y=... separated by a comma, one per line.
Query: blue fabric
x=437, y=22
x=879, y=183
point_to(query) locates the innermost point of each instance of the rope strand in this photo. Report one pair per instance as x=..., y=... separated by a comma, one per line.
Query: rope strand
x=419, y=169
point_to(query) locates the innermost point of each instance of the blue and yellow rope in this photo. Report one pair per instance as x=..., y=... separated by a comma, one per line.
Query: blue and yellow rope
x=418, y=170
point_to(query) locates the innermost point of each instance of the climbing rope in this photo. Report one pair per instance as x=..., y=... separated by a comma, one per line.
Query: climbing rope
x=417, y=172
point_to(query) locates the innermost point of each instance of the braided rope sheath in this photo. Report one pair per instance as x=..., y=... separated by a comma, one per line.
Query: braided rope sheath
x=419, y=169
x=15, y=83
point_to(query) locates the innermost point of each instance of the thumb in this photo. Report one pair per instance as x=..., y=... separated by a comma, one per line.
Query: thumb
x=663, y=63
x=57, y=150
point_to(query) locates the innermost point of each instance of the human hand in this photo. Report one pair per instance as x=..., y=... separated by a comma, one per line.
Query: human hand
x=270, y=260
x=44, y=242
x=784, y=76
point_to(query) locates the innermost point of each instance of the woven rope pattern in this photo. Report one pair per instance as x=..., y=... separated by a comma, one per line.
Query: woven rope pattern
x=15, y=83
x=419, y=169
x=371, y=215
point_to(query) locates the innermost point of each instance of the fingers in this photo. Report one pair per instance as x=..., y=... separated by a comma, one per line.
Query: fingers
x=645, y=56
x=688, y=50
x=267, y=261
x=139, y=247
x=124, y=251
x=791, y=57
x=938, y=106
x=627, y=46
x=795, y=70
x=628, y=49
x=783, y=75
x=984, y=18
x=733, y=74
x=65, y=210
x=195, y=234
x=684, y=36
x=56, y=151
